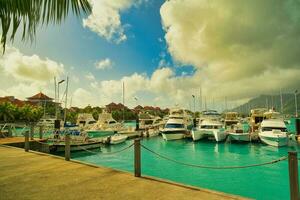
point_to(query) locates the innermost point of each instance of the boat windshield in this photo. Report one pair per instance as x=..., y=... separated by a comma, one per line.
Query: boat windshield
x=211, y=127
x=282, y=129
x=174, y=126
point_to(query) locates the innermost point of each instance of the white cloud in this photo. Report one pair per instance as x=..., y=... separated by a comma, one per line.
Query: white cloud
x=90, y=76
x=105, y=19
x=104, y=64
x=82, y=97
x=29, y=68
x=239, y=49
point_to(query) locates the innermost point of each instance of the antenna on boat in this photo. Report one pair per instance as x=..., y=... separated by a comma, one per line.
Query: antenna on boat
x=55, y=97
x=281, y=102
x=66, y=100
x=123, y=92
x=200, y=98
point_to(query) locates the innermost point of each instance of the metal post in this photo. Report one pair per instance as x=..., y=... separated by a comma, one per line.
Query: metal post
x=137, y=158
x=67, y=147
x=26, y=141
x=41, y=132
x=293, y=172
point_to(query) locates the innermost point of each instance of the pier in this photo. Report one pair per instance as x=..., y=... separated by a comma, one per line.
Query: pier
x=37, y=175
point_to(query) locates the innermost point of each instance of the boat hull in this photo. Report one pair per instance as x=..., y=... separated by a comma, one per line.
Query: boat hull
x=201, y=134
x=198, y=135
x=174, y=136
x=240, y=137
x=117, y=139
x=277, y=141
x=76, y=147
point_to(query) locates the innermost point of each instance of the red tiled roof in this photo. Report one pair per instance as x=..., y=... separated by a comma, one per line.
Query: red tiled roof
x=40, y=96
x=139, y=107
x=14, y=101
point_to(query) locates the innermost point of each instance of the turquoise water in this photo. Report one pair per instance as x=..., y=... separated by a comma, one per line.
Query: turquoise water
x=292, y=126
x=264, y=182
x=100, y=134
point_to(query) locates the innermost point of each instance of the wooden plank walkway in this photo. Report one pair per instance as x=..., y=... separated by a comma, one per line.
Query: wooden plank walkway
x=9, y=140
x=36, y=175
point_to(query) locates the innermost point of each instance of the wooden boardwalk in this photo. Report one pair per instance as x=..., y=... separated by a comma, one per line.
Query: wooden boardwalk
x=41, y=176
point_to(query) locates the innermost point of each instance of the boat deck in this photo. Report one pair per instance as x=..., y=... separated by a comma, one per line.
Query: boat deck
x=36, y=175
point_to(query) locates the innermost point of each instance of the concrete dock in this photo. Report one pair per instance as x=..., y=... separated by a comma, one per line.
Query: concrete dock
x=36, y=175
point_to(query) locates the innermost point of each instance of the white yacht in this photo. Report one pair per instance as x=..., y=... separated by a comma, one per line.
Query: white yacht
x=239, y=134
x=273, y=132
x=209, y=128
x=117, y=138
x=85, y=120
x=105, y=123
x=178, y=113
x=174, y=129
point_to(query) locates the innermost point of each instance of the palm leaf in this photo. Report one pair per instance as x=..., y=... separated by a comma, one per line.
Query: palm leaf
x=31, y=13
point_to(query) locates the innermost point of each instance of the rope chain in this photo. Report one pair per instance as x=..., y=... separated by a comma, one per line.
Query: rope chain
x=212, y=167
x=109, y=153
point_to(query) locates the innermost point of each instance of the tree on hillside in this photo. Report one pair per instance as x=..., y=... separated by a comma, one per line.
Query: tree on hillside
x=31, y=13
x=6, y=112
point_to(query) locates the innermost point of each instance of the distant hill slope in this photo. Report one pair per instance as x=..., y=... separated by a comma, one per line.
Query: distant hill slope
x=269, y=101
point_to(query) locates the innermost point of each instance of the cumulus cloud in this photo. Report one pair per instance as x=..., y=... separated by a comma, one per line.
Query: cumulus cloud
x=105, y=19
x=90, y=76
x=251, y=45
x=29, y=68
x=82, y=97
x=104, y=64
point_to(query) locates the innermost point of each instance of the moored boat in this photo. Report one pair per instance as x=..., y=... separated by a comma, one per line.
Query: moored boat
x=117, y=139
x=209, y=129
x=273, y=132
x=174, y=129
x=238, y=133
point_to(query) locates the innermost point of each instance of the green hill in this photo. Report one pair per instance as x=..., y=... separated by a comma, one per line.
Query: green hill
x=269, y=101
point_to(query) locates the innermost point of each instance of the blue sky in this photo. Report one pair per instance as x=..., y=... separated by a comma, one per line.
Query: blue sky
x=164, y=51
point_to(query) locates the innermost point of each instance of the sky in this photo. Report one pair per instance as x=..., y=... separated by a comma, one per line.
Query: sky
x=163, y=51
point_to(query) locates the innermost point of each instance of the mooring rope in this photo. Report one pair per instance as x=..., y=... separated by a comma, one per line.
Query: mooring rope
x=101, y=153
x=212, y=167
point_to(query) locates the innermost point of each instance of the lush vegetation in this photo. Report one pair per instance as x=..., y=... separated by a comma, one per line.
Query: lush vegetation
x=27, y=113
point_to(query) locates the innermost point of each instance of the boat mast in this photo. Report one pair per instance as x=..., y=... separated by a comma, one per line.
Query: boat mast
x=281, y=102
x=55, y=97
x=123, y=92
x=66, y=100
x=200, y=99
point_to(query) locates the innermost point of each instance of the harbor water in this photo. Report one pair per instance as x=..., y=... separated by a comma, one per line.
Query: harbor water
x=263, y=182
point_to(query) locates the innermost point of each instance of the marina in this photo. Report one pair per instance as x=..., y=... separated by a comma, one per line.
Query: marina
x=149, y=99
x=205, y=163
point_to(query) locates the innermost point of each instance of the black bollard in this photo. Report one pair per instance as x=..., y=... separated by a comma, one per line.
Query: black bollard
x=137, y=158
x=293, y=173
x=67, y=147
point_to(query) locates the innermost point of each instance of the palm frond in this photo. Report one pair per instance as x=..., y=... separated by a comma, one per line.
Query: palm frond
x=31, y=13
